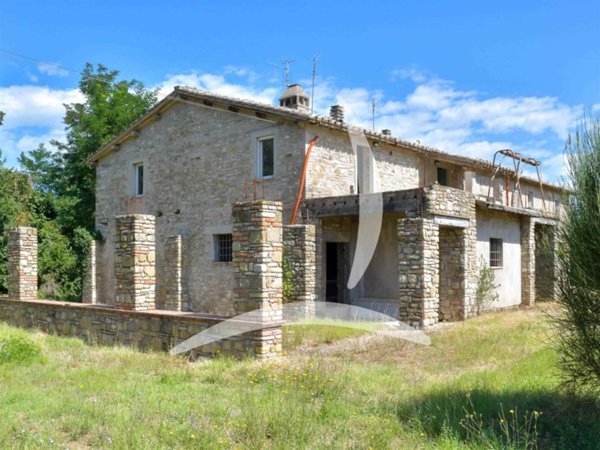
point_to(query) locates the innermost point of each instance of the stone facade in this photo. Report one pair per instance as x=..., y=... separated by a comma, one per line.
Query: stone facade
x=22, y=263
x=135, y=271
x=300, y=252
x=197, y=162
x=257, y=267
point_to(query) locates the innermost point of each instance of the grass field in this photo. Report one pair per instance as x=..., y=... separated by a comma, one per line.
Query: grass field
x=489, y=382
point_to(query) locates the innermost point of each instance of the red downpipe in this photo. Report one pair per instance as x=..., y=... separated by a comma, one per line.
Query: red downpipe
x=303, y=180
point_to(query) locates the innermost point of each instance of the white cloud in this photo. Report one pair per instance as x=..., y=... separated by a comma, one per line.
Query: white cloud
x=52, y=70
x=35, y=106
x=219, y=85
x=434, y=112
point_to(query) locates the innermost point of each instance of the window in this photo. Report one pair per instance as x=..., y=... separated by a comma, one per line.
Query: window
x=495, y=252
x=442, y=176
x=266, y=157
x=138, y=179
x=223, y=247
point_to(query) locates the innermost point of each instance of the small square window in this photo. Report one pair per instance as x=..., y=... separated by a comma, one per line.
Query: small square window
x=223, y=247
x=495, y=252
x=442, y=176
x=138, y=179
x=266, y=157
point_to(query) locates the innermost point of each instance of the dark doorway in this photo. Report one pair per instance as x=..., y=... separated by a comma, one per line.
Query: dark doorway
x=335, y=257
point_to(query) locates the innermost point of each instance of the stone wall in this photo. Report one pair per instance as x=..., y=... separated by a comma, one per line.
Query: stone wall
x=447, y=201
x=257, y=268
x=22, y=263
x=332, y=167
x=135, y=271
x=156, y=330
x=299, y=251
x=418, y=268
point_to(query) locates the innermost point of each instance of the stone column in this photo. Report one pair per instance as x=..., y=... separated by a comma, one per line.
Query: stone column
x=135, y=273
x=173, y=269
x=418, y=269
x=89, y=294
x=300, y=254
x=257, y=268
x=527, y=261
x=22, y=263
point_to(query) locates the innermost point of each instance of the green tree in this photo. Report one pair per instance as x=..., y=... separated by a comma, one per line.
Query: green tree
x=66, y=184
x=110, y=106
x=579, y=281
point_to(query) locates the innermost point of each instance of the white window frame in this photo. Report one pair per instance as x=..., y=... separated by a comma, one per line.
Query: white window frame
x=259, y=157
x=135, y=177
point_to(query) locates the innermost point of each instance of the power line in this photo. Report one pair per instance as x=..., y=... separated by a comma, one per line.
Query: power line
x=46, y=63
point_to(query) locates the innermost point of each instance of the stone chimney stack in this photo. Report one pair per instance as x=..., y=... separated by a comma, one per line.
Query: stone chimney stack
x=337, y=113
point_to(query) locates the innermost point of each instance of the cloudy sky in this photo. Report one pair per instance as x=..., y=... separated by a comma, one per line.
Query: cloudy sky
x=467, y=77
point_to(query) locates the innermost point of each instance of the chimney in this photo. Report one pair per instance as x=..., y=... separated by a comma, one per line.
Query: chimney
x=386, y=132
x=337, y=113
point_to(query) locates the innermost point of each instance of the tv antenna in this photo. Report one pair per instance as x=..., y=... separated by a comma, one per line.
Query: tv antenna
x=285, y=64
x=312, y=91
x=373, y=112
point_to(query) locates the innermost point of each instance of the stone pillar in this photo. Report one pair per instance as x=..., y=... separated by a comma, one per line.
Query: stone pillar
x=418, y=270
x=300, y=254
x=89, y=294
x=135, y=273
x=22, y=263
x=173, y=269
x=527, y=261
x=257, y=268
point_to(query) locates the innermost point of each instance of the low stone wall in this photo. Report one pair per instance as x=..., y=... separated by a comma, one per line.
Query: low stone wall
x=155, y=330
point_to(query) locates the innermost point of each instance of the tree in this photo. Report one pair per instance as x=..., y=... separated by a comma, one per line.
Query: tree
x=579, y=281
x=67, y=184
x=110, y=106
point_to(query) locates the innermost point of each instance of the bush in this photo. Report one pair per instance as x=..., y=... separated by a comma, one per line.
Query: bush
x=579, y=247
x=17, y=349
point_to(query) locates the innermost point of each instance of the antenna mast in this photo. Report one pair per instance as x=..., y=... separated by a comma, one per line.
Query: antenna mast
x=373, y=112
x=286, y=71
x=314, y=74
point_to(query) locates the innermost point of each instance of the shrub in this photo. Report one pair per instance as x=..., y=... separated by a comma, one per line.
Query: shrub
x=486, y=288
x=579, y=246
x=17, y=349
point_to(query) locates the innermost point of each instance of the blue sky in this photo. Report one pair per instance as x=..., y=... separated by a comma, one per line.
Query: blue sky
x=468, y=77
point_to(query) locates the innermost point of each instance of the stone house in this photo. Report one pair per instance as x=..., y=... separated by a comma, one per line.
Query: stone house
x=196, y=153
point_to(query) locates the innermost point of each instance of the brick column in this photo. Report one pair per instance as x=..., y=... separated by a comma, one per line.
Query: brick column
x=135, y=273
x=300, y=253
x=173, y=268
x=22, y=263
x=527, y=261
x=257, y=268
x=418, y=269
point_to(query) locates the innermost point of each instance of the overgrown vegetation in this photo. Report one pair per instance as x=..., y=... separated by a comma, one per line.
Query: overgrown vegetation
x=387, y=394
x=486, y=287
x=579, y=281
x=55, y=190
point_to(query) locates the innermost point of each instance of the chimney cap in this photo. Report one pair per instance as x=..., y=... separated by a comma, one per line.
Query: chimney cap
x=336, y=112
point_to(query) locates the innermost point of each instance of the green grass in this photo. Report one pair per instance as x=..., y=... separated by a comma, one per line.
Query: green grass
x=387, y=394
